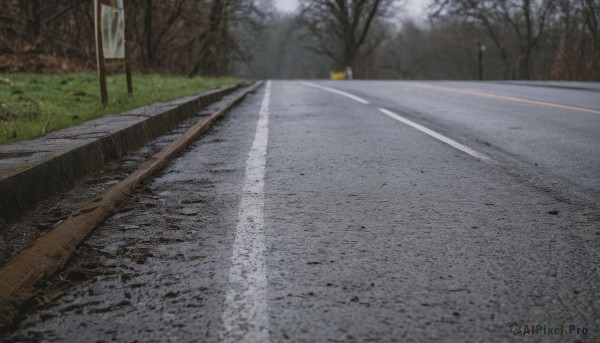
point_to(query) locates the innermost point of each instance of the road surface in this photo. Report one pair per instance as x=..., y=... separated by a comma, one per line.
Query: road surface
x=356, y=211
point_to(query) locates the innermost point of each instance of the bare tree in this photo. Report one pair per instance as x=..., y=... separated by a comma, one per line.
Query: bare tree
x=528, y=20
x=343, y=28
x=175, y=36
x=502, y=20
x=591, y=15
x=574, y=35
x=280, y=51
x=442, y=50
x=218, y=44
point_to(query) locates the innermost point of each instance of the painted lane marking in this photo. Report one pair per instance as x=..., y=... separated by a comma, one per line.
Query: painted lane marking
x=419, y=127
x=245, y=317
x=438, y=136
x=333, y=90
x=509, y=98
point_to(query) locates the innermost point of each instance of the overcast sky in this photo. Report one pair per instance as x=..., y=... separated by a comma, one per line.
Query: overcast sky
x=414, y=7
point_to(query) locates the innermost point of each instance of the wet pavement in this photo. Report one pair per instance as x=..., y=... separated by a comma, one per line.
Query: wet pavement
x=372, y=231
x=556, y=130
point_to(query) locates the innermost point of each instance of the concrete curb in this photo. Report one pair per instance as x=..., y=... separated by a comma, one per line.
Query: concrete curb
x=49, y=253
x=33, y=170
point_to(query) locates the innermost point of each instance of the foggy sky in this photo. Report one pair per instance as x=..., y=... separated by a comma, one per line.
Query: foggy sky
x=413, y=7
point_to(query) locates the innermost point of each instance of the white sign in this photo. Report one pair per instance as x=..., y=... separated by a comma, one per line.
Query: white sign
x=113, y=31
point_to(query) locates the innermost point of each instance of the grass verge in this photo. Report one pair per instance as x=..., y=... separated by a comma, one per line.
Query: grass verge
x=34, y=104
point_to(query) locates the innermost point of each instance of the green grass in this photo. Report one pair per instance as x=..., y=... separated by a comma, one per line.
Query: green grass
x=33, y=104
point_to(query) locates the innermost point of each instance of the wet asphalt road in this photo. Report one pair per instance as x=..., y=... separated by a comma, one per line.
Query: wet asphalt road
x=354, y=226
x=563, y=143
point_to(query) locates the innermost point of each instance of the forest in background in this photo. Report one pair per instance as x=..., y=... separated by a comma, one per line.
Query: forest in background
x=192, y=37
x=524, y=39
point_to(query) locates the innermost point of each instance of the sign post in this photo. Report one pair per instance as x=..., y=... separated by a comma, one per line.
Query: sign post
x=480, y=60
x=349, y=73
x=99, y=52
x=109, y=20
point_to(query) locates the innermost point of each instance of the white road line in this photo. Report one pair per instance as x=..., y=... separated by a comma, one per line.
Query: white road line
x=421, y=128
x=245, y=317
x=438, y=136
x=333, y=90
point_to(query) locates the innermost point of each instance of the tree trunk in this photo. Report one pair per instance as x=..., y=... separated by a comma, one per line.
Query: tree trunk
x=523, y=65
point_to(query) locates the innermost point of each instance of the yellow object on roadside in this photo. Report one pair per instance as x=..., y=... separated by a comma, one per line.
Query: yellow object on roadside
x=338, y=75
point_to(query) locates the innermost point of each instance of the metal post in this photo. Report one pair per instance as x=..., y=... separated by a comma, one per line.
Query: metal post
x=127, y=64
x=128, y=77
x=100, y=53
x=481, y=51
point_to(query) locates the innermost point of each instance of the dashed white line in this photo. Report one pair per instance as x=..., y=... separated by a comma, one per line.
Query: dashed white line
x=438, y=136
x=333, y=90
x=245, y=317
x=419, y=127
